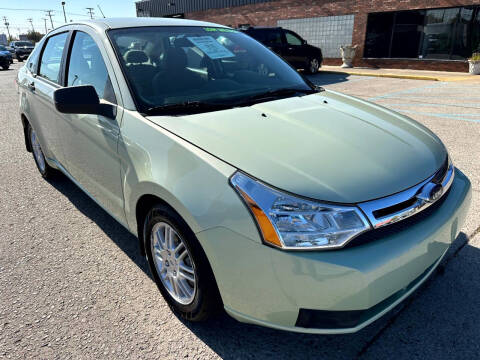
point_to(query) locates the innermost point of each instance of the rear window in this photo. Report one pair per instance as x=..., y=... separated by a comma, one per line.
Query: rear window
x=23, y=43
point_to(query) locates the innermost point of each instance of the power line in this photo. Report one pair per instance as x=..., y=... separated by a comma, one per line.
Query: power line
x=44, y=10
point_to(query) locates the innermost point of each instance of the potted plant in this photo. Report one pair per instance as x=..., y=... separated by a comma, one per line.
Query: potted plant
x=348, y=53
x=474, y=64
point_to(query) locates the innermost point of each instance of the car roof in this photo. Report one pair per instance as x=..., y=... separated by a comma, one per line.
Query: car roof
x=263, y=28
x=118, y=23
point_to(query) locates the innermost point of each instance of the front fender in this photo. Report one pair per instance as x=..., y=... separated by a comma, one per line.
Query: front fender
x=194, y=183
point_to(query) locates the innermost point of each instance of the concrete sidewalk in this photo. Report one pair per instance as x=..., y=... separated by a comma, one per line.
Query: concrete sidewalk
x=404, y=74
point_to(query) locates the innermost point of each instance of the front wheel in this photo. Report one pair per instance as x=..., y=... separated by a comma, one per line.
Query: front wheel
x=313, y=66
x=5, y=67
x=179, y=265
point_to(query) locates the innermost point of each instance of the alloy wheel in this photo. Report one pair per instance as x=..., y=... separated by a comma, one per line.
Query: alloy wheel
x=37, y=151
x=314, y=65
x=173, y=263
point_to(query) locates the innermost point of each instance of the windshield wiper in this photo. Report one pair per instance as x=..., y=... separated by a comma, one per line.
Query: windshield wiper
x=278, y=93
x=187, y=107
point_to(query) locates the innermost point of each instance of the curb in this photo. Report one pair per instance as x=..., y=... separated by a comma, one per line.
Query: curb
x=403, y=76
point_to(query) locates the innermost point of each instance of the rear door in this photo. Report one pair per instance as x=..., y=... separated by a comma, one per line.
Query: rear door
x=40, y=87
x=89, y=142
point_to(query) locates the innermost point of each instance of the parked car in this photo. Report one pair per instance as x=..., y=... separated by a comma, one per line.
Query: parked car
x=8, y=51
x=290, y=46
x=22, y=49
x=249, y=188
x=5, y=58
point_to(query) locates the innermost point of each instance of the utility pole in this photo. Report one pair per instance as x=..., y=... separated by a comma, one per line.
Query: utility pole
x=45, y=19
x=49, y=14
x=7, y=24
x=31, y=23
x=64, y=15
x=99, y=8
x=90, y=11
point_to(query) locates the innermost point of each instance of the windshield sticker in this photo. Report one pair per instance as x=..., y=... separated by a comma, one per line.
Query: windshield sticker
x=211, y=47
x=210, y=29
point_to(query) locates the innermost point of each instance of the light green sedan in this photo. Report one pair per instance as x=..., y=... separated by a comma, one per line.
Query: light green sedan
x=249, y=188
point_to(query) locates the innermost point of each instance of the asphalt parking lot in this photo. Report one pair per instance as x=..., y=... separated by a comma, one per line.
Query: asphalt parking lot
x=74, y=285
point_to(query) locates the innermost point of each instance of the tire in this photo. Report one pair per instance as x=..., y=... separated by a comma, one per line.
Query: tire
x=168, y=266
x=5, y=67
x=45, y=170
x=313, y=65
x=20, y=59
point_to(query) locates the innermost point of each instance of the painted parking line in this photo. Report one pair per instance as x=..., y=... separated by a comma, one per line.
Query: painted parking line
x=424, y=104
x=408, y=91
x=441, y=115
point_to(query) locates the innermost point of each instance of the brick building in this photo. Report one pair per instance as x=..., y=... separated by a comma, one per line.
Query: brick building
x=416, y=34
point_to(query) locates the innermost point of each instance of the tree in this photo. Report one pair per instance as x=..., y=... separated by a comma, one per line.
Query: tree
x=34, y=36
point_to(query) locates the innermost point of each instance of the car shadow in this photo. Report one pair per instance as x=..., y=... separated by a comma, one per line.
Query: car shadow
x=116, y=232
x=328, y=78
x=231, y=339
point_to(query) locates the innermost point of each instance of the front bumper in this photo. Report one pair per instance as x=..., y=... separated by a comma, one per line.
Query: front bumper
x=22, y=54
x=338, y=291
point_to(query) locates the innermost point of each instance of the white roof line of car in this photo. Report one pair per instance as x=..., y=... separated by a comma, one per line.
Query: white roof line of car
x=117, y=23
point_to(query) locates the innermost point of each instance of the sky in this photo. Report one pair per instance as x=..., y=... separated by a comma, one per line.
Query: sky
x=18, y=11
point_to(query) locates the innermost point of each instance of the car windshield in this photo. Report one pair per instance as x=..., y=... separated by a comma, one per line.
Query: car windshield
x=23, y=43
x=198, y=66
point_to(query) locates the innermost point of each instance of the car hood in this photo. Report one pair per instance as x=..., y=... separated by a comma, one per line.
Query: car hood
x=326, y=146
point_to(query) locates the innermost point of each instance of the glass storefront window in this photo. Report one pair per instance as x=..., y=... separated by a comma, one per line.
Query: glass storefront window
x=450, y=33
x=475, y=43
x=438, y=33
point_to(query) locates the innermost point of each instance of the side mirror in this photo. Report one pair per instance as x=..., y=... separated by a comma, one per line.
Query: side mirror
x=304, y=42
x=82, y=100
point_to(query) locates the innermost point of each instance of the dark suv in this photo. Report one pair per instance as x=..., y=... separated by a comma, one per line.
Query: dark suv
x=288, y=45
x=22, y=49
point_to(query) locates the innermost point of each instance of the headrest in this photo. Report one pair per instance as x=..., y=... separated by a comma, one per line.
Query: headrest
x=135, y=57
x=175, y=59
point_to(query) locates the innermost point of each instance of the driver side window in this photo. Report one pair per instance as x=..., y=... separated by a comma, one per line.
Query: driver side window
x=86, y=67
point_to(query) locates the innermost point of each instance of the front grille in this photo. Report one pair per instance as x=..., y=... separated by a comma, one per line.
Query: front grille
x=394, y=228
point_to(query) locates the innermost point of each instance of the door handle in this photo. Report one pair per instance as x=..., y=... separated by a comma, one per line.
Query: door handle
x=31, y=86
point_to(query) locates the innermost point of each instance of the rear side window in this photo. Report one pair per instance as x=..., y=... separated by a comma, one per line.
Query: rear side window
x=52, y=57
x=86, y=67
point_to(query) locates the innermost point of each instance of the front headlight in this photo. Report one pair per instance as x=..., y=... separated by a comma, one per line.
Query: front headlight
x=293, y=223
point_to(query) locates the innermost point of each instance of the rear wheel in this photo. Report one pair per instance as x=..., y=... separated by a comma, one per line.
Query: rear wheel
x=5, y=67
x=45, y=170
x=179, y=265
